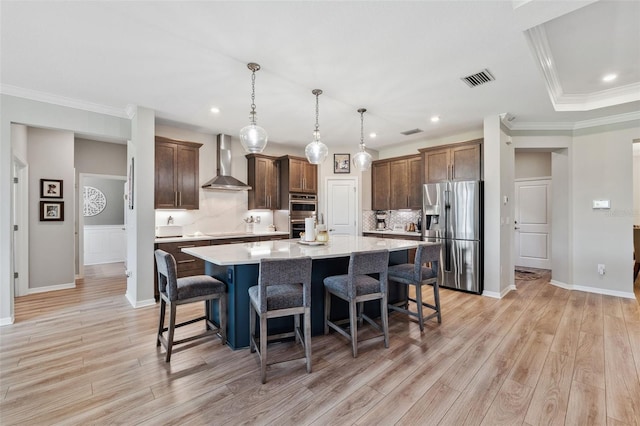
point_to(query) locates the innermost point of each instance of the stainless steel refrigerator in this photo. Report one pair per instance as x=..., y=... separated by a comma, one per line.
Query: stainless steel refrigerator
x=452, y=215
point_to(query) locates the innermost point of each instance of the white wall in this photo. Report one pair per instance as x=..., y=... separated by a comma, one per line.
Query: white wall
x=51, y=243
x=603, y=169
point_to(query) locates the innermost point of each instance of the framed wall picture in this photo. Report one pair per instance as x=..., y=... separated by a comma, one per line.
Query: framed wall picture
x=50, y=188
x=51, y=211
x=341, y=163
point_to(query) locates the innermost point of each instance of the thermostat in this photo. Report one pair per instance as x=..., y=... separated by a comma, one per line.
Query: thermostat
x=601, y=204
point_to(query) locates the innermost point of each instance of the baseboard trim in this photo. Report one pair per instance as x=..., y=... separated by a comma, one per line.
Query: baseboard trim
x=141, y=303
x=6, y=321
x=51, y=288
x=503, y=293
x=603, y=291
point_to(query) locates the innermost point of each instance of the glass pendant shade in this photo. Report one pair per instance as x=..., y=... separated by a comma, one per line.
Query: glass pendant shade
x=253, y=138
x=316, y=152
x=362, y=160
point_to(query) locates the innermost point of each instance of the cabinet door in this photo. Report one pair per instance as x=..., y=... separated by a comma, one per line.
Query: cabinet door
x=465, y=162
x=166, y=158
x=309, y=178
x=436, y=165
x=415, y=183
x=260, y=184
x=188, y=186
x=296, y=174
x=399, y=181
x=273, y=177
x=263, y=179
x=380, y=186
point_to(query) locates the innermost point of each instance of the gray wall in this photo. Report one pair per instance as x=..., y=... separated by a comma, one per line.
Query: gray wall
x=102, y=158
x=51, y=244
x=113, y=190
x=532, y=164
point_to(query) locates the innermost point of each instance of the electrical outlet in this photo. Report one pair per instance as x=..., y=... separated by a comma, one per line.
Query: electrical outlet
x=601, y=269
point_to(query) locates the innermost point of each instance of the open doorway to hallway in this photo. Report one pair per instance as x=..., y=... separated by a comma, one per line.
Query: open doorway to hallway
x=532, y=215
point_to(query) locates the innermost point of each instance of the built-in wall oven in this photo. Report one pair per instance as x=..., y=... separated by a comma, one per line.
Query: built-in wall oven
x=301, y=206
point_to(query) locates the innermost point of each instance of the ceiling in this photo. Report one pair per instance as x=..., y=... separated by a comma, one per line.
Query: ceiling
x=401, y=60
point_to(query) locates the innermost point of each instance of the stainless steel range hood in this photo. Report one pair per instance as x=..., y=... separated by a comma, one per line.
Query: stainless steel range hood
x=224, y=181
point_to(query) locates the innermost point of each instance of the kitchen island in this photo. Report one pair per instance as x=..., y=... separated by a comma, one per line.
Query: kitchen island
x=237, y=265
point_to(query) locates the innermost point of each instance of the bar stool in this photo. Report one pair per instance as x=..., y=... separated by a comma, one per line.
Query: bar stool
x=356, y=288
x=179, y=291
x=418, y=275
x=284, y=289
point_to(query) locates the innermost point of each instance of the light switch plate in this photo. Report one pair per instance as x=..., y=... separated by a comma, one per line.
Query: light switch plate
x=601, y=204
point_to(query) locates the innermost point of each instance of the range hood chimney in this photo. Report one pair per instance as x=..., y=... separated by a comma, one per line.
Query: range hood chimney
x=224, y=181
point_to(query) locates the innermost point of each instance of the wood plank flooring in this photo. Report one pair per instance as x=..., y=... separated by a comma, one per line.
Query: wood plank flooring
x=541, y=355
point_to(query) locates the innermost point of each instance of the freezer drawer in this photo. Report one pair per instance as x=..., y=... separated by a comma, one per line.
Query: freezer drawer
x=461, y=265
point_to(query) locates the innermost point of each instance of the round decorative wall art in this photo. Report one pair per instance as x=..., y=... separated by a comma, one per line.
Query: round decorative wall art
x=94, y=201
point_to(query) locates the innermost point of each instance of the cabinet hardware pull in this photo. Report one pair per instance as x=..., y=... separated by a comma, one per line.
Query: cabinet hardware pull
x=179, y=198
x=453, y=173
x=186, y=261
x=192, y=245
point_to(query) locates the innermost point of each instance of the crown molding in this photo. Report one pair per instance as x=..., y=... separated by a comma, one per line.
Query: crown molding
x=585, y=124
x=539, y=43
x=50, y=98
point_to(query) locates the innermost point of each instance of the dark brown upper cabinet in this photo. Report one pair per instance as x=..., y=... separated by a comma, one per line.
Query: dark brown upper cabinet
x=460, y=161
x=396, y=183
x=264, y=176
x=176, y=174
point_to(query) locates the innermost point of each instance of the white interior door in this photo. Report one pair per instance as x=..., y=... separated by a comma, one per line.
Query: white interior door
x=533, y=223
x=341, y=206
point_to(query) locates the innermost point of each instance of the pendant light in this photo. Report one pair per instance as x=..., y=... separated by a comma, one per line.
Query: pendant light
x=316, y=151
x=362, y=159
x=253, y=137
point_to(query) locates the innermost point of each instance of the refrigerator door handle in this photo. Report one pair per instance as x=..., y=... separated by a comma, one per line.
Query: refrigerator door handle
x=447, y=256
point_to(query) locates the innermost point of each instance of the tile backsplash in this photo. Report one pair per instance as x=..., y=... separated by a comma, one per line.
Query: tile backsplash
x=394, y=217
x=220, y=212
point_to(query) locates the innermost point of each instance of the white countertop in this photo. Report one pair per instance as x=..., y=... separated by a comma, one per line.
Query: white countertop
x=338, y=246
x=218, y=236
x=392, y=232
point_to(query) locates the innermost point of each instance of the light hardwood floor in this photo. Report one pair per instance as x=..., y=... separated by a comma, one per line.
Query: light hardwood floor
x=541, y=355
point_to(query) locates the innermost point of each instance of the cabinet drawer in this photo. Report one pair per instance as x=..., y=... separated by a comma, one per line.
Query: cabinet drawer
x=185, y=264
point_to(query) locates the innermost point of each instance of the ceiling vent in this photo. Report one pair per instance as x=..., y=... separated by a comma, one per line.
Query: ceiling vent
x=412, y=132
x=477, y=79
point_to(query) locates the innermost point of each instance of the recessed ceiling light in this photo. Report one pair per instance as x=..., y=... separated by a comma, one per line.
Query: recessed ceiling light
x=372, y=135
x=435, y=118
x=609, y=77
x=215, y=110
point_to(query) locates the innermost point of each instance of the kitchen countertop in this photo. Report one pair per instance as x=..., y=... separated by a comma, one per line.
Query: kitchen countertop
x=218, y=236
x=251, y=253
x=392, y=232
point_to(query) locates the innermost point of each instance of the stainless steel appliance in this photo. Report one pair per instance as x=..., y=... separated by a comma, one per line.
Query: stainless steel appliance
x=301, y=206
x=452, y=215
x=381, y=220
